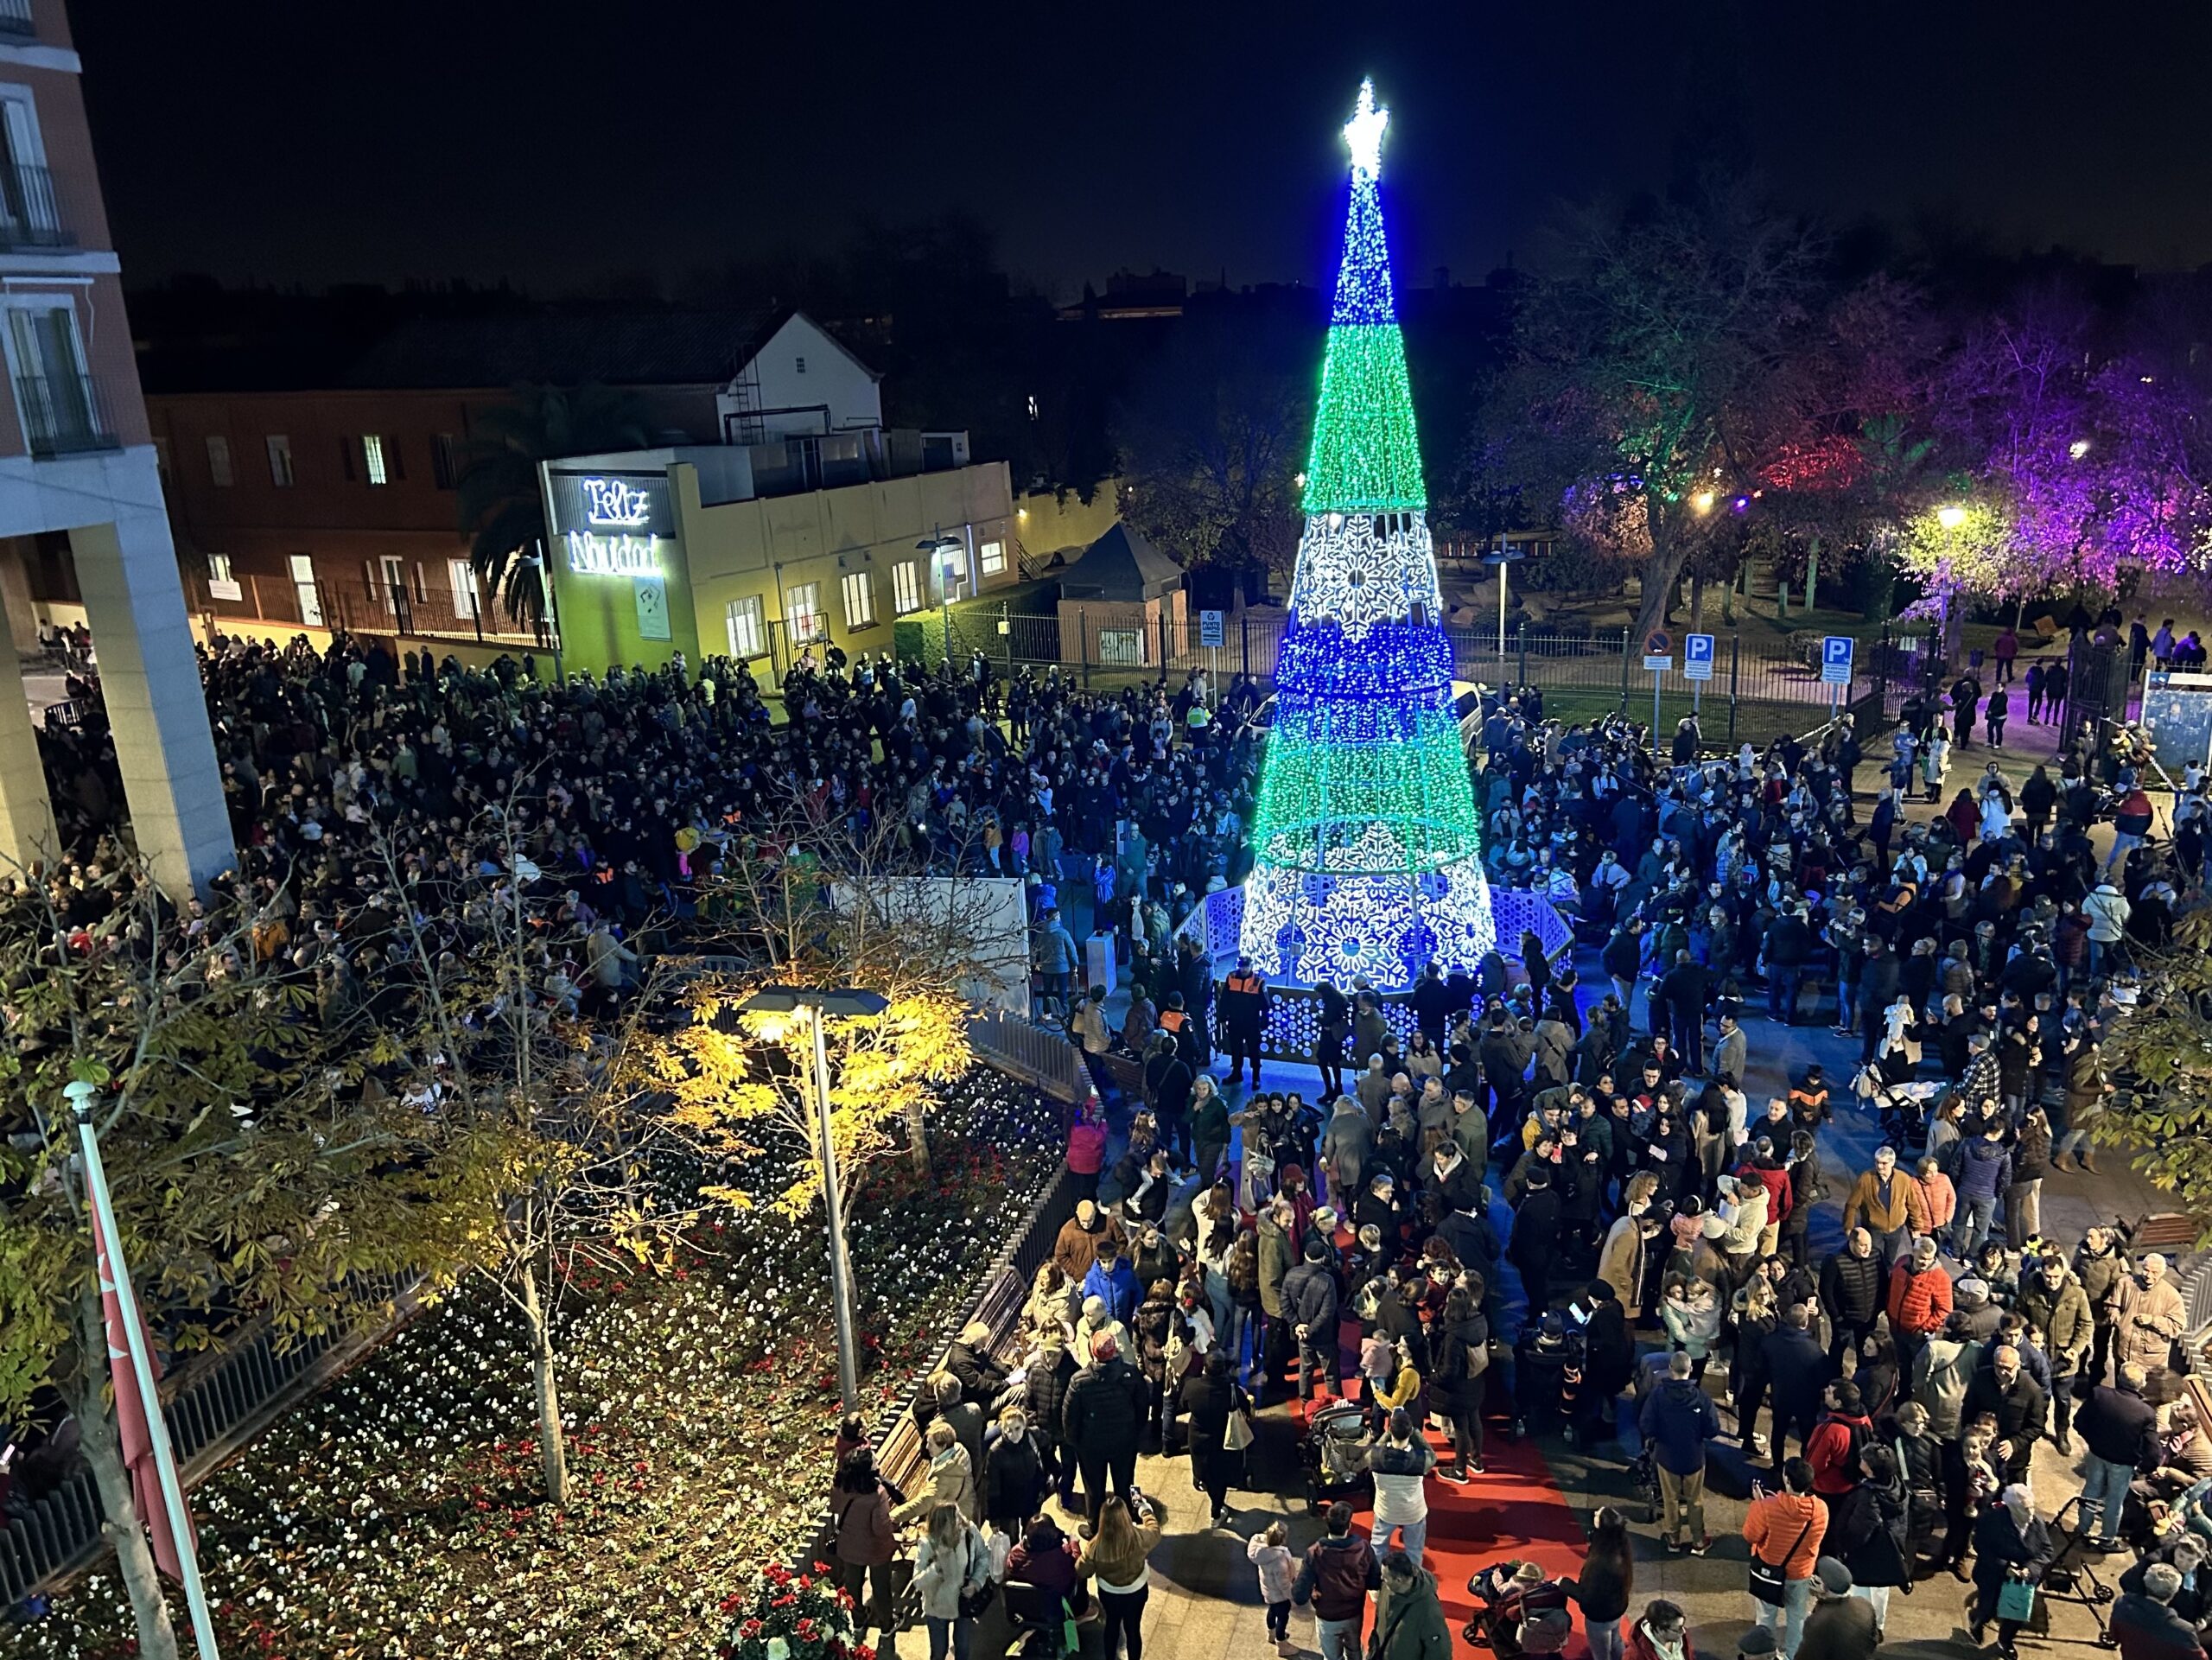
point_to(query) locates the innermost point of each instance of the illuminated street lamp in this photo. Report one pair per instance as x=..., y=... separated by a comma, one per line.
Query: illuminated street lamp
x=1702, y=501
x=815, y=1007
x=2078, y=449
x=1950, y=517
x=948, y=552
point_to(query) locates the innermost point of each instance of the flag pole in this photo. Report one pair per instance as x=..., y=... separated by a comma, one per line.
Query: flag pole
x=149, y=1394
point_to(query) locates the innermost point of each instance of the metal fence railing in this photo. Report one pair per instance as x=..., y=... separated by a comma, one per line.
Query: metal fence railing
x=1001, y=1291
x=30, y=211
x=205, y=1405
x=65, y=415
x=1294, y=1027
x=1040, y=1053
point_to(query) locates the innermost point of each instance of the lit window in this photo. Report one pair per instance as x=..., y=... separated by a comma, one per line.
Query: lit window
x=747, y=636
x=994, y=557
x=280, y=460
x=445, y=470
x=218, y=568
x=860, y=600
x=460, y=576
x=803, y=613
x=906, y=585
x=222, y=581
x=219, y=460
x=373, y=458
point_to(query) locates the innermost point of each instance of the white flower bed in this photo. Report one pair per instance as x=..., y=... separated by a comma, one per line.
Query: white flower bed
x=399, y=1513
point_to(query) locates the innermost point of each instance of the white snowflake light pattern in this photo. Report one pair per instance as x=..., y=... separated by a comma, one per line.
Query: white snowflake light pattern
x=1359, y=569
x=1358, y=928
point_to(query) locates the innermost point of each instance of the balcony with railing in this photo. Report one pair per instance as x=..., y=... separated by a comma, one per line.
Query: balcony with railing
x=15, y=20
x=63, y=414
x=31, y=211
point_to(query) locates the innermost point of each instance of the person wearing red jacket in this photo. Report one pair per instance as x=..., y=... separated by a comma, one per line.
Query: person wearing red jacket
x=1832, y=1447
x=1764, y=1167
x=1087, y=1147
x=1920, y=1298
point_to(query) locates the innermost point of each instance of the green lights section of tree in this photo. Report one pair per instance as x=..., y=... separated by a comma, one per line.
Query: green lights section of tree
x=1366, y=453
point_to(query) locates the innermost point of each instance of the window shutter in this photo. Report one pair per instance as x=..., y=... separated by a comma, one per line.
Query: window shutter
x=346, y=456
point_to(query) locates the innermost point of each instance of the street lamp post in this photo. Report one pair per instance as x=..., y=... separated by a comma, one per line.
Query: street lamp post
x=948, y=550
x=80, y=1095
x=817, y=1005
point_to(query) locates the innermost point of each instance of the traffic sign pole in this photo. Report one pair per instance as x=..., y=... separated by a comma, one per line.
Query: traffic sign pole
x=1658, y=657
x=1837, y=651
x=1697, y=667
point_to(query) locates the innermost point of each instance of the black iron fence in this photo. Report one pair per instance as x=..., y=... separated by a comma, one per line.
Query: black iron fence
x=63, y=414
x=30, y=211
x=207, y=1404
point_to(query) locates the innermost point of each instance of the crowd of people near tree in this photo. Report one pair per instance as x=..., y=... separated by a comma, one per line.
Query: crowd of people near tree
x=1653, y=1290
x=1244, y=1246
x=398, y=815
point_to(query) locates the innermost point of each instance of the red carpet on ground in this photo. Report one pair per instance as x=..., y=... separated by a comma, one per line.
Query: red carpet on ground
x=1512, y=1510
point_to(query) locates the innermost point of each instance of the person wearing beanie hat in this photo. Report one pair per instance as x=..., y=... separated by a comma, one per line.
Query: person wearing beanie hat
x=1310, y=1295
x=1757, y=1643
x=1839, y=1626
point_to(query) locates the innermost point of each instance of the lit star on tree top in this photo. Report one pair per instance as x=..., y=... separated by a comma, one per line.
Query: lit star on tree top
x=1363, y=132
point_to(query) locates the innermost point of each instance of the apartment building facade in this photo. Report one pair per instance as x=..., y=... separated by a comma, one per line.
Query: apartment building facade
x=339, y=506
x=79, y=476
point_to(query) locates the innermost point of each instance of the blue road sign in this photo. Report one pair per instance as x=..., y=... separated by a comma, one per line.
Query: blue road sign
x=1835, y=660
x=1697, y=656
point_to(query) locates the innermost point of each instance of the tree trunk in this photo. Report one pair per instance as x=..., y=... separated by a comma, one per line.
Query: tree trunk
x=102, y=1444
x=1659, y=572
x=1812, y=573
x=549, y=1391
x=1697, y=601
x=918, y=1142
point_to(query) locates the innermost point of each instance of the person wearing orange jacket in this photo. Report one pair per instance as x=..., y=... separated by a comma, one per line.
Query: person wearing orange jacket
x=1784, y=1530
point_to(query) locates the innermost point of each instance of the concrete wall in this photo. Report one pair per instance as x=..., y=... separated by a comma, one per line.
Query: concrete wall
x=764, y=549
x=1046, y=523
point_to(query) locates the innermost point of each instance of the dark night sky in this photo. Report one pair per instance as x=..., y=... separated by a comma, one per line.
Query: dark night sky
x=554, y=141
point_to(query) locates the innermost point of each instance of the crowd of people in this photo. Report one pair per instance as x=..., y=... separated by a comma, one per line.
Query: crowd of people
x=1242, y=1245
x=1648, y=1288
x=353, y=775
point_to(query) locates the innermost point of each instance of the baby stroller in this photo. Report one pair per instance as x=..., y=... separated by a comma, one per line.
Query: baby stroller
x=1334, y=1453
x=1900, y=1109
x=1517, y=1612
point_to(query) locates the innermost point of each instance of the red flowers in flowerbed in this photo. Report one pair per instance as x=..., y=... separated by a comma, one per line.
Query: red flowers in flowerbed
x=780, y=1615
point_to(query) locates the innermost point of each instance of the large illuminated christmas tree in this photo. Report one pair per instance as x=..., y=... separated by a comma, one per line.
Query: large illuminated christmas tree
x=1367, y=860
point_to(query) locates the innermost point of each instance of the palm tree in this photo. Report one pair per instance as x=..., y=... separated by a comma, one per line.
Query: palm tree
x=501, y=507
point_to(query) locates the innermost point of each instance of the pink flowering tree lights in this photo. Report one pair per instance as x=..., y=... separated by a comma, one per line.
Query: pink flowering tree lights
x=2077, y=468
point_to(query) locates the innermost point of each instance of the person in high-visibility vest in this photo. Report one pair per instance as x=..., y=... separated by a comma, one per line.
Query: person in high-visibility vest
x=1244, y=1016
